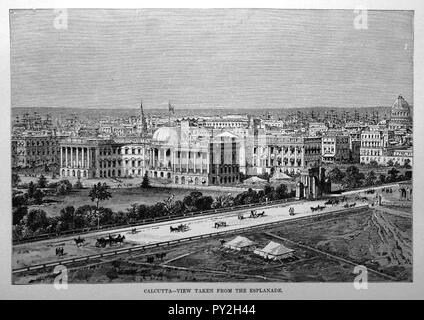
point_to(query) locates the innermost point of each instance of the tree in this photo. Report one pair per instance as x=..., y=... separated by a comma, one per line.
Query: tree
x=390, y=163
x=78, y=184
x=31, y=189
x=281, y=192
x=15, y=179
x=63, y=187
x=67, y=217
x=353, y=178
x=382, y=178
x=370, y=179
x=36, y=220
x=203, y=203
x=18, y=213
x=336, y=175
x=42, y=182
x=223, y=201
x=19, y=200
x=373, y=163
x=393, y=172
x=99, y=192
x=407, y=164
x=146, y=182
x=189, y=201
x=38, y=196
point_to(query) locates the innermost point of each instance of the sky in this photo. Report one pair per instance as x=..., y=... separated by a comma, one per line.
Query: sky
x=203, y=58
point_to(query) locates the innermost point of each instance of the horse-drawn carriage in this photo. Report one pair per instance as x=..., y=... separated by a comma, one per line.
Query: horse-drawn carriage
x=332, y=202
x=220, y=224
x=291, y=211
x=351, y=205
x=179, y=228
x=256, y=214
x=317, y=208
x=102, y=242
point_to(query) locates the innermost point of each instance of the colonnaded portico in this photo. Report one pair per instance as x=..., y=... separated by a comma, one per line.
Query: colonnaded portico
x=76, y=161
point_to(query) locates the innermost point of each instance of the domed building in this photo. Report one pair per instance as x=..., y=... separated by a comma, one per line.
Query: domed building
x=179, y=155
x=400, y=116
x=193, y=155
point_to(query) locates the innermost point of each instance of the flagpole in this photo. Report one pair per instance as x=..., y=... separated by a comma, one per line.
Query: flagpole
x=169, y=113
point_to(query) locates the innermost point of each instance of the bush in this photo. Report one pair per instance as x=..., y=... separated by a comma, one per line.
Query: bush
x=78, y=185
x=63, y=187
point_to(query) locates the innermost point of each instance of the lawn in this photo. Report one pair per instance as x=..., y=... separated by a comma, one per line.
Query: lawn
x=121, y=198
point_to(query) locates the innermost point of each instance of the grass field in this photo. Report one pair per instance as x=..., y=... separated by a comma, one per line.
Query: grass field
x=121, y=198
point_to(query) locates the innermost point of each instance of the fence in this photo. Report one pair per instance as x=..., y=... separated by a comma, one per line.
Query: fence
x=177, y=241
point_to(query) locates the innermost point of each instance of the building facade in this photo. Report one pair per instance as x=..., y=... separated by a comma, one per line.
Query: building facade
x=35, y=149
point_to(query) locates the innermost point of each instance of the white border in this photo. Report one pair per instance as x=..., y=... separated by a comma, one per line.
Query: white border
x=414, y=290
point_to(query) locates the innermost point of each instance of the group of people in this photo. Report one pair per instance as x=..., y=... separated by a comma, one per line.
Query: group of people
x=60, y=251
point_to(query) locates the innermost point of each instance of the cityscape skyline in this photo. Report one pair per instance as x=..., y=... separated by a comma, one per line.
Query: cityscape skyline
x=210, y=58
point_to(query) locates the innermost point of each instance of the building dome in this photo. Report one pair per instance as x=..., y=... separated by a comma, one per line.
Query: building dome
x=400, y=116
x=166, y=135
x=400, y=104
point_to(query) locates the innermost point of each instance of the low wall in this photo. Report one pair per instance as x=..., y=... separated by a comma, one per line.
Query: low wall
x=199, y=187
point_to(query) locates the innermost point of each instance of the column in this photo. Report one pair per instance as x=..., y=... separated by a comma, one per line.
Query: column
x=194, y=161
x=77, y=154
x=188, y=160
x=295, y=156
x=269, y=156
x=82, y=157
x=61, y=156
x=72, y=157
x=179, y=161
x=88, y=158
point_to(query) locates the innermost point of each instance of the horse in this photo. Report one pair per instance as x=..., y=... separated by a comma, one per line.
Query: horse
x=134, y=230
x=260, y=214
x=160, y=255
x=220, y=224
x=173, y=229
x=119, y=239
x=79, y=241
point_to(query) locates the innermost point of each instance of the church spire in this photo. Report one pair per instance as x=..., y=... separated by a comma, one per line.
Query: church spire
x=142, y=121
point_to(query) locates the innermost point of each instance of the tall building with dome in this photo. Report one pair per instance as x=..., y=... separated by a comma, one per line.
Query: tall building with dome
x=400, y=115
x=193, y=155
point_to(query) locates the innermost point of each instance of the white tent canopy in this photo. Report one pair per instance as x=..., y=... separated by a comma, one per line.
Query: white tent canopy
x=280, y=176
x=239, y=243
x=274, y=250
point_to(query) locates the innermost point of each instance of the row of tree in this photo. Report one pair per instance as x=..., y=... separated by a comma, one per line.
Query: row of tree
x=352, y=178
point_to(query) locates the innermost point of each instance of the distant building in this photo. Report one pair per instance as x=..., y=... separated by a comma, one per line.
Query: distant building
x=291, y=153
x=400, y=116
x=317, y=128
x=35, y=148
x=374, y=143
x=335, y=148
